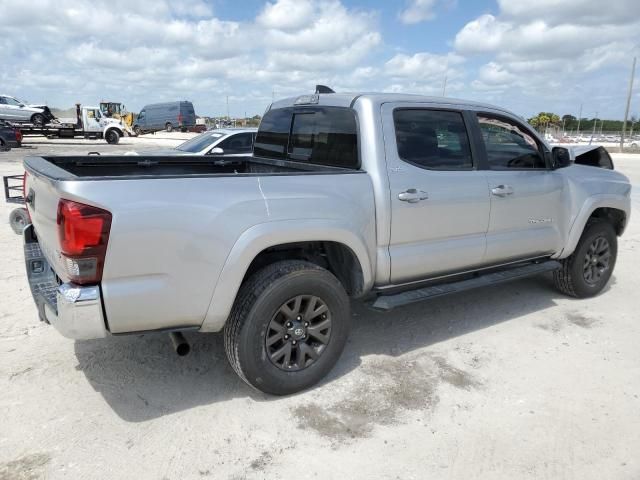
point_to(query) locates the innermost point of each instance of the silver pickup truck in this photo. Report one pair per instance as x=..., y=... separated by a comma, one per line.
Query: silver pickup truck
x=386, y=198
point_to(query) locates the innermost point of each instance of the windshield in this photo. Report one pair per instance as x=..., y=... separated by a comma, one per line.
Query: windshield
x=196, y=144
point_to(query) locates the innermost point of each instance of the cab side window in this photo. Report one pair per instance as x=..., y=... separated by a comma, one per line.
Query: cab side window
x=509, y=145
x=237, y=144
x=432, y=139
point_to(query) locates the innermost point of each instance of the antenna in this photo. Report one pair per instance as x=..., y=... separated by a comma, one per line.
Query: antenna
x=323, y=89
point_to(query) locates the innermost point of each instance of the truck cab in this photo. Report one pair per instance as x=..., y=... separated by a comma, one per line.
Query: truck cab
x=95, y=123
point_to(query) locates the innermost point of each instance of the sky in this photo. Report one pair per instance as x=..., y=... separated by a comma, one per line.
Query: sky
x=525, y=55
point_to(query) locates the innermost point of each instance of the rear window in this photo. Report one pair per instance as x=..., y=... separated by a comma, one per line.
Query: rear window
x=317, y=135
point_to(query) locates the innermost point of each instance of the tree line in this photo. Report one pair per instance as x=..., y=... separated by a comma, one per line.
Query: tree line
x=544, y=120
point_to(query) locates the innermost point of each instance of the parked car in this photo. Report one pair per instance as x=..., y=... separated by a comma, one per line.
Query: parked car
x=165, y=116
x=224, y=142
x=387, y=198
x=10, y=137
x=13, y=110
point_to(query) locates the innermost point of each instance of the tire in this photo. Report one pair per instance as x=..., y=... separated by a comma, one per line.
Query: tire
x=169, y=127
x=258, y=308
x=18, y=219
x=137, y=131
x=588, y=269
x=112, y=136
x=38, y=119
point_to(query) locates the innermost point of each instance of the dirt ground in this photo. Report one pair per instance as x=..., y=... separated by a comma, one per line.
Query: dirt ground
x=509, y=382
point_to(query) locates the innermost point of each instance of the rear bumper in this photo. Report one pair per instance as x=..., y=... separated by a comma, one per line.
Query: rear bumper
x=74, y=310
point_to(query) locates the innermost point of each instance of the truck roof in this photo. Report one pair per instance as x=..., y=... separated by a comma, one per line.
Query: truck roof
x=348, y=99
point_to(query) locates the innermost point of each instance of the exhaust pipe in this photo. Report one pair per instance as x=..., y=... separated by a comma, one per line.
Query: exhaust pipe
x=180, y=344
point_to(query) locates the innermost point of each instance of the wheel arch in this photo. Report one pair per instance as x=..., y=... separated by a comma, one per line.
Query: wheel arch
x=328, y=244
x=614, y=209
x=113, y=127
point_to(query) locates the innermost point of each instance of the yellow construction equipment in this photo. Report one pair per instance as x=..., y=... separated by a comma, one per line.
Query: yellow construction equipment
x=118, y=111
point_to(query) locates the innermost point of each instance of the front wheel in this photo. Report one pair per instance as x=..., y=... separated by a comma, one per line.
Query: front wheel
x=169, y=127
x=112, y=137
x=288, y=327
x=588, y=269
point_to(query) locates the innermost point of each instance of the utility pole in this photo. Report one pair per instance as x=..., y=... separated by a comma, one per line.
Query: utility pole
x=228, y=117
x=579, y=119
x=446, y=73
x=626, y=111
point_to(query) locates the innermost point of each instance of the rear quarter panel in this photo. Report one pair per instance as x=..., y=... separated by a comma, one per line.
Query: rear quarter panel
x=171, y=238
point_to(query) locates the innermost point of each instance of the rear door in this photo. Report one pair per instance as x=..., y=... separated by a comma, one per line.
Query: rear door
x=526, y=194
x=188, y=114
x=14, y=110
x=5, y=112
x=439, y=197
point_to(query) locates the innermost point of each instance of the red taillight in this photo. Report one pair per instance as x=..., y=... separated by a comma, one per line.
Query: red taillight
x=83, y=232
x=18, y=135
x=180, y=118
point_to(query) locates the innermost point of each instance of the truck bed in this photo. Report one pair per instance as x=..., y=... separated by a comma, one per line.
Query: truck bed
x=103, y=167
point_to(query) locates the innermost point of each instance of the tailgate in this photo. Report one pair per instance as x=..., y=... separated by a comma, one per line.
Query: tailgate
x=41, y=200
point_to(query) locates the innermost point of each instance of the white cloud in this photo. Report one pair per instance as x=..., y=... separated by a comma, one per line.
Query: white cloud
x=495, y=74
x=582, y=12
x=418, y=11
x=152, y=50
x=422, y=65
x=543, y=51
x=287, y=14
x=524, y=55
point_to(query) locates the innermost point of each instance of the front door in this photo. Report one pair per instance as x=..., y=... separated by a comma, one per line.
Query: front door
x=526, y=195
x=439, y=199
x=92, y=120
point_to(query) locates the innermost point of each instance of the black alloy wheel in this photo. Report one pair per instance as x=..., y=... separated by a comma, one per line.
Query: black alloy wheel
x=298, y=333
x=596, y=261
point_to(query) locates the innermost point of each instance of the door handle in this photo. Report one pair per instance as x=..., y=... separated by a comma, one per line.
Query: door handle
x=412, y=195
x=502, y=190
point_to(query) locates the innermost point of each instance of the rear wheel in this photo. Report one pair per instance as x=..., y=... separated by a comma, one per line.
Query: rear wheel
x=288, y=327
x=112, y=137
x=588, y=269
x=37, y=119
x=169, y=127
x=137, y=131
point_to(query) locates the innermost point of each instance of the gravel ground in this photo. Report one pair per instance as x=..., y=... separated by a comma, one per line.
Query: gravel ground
x=513, y=382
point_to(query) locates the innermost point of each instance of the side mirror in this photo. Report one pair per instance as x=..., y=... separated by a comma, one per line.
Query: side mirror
x=560, y=157
x=216, y=151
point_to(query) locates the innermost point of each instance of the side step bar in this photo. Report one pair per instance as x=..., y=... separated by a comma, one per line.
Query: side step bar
x=388, y=302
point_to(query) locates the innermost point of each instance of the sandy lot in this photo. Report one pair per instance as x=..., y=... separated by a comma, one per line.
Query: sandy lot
x=512, y=382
